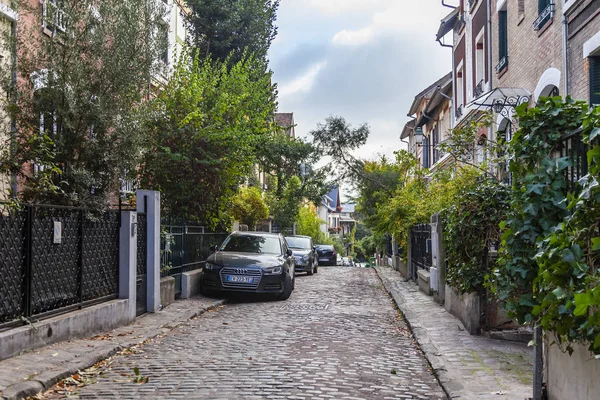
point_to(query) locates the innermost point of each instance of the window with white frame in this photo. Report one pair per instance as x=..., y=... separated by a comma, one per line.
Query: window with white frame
x=479, y=63
x=53, y=15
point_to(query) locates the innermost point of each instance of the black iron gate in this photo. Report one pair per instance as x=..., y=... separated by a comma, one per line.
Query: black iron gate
x=420, y=248
x=142, y=265
x=55, y=259
x=185, y=248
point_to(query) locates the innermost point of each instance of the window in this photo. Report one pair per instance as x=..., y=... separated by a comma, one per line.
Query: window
x=436, y=142
x=545, y=13
x=502, y=41
x=479, y=64
x=426, y=146
x=521, y=7
x=460, y=100
x=594, y=79
x=53, y=15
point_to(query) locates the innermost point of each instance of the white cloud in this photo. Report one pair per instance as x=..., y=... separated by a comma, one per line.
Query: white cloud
x=391, y=18
x=353, y=38
x=302, y=84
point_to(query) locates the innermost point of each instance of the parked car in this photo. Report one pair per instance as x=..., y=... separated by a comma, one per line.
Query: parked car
x=326, y=254
x=305, y=254
x=347, y=262
x=252, y=262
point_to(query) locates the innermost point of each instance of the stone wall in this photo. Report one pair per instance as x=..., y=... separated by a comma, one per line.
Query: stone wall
x=572, y=377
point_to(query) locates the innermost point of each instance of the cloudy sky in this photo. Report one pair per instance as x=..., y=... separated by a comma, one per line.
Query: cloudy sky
x=361, y=59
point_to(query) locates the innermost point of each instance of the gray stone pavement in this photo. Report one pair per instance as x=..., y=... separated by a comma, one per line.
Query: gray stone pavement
x=339, y=336
x=469, y=367
x=32, y=372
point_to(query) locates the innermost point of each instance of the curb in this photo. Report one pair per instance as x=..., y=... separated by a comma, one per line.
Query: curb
x=48, y=379
x=428, y=352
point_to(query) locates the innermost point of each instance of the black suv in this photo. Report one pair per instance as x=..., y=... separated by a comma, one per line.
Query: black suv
x=304, y=253
x=326, y=254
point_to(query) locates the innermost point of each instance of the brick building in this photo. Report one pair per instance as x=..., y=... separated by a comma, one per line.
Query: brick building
x=582, y=19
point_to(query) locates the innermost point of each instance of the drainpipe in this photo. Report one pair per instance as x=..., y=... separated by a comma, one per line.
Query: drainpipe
x=452, y=113
x=448, y=5
x=565, y=57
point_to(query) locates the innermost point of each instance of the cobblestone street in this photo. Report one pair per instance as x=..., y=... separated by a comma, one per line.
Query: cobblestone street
x=338, y=337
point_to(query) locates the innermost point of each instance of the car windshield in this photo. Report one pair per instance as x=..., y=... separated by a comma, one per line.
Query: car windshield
x=298, y=243
x=325, y=247
x=252, y=244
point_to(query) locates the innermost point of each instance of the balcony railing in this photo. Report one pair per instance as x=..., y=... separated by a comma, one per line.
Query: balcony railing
x=459, y=111
x=479, y=89
x=503, y=63
x=545, y=16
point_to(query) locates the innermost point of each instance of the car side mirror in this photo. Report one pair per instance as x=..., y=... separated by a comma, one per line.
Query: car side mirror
x=216, y=248
x=289, y=252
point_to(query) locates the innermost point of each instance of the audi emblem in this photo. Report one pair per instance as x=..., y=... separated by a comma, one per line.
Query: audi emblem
x=241, y=271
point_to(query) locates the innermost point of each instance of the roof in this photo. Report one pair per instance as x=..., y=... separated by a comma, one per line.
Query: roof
x=408, y=128
x=447, y=24
x=437, y=98
x=419, y=97
x=348, y=208
x=334, y=195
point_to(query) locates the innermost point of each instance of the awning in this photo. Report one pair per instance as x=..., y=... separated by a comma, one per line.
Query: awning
x=447, y=24
x=501, y=100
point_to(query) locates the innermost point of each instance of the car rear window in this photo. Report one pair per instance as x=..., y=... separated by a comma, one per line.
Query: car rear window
x=298, y=242
x=252, y=244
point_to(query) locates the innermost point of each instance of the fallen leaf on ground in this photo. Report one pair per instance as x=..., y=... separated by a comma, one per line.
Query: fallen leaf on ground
x=54, y=354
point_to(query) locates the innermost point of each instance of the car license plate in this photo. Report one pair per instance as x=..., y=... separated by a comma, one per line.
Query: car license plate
x=239, y=279
x=323, y=259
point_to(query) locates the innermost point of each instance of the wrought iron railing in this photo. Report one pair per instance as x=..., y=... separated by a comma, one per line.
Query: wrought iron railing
x=545, y=15
x=459, y=111
x=185, y=248
x=503, y=63
x=420, y=248
x=573, y=147
x=479, y=89
x=54, y=259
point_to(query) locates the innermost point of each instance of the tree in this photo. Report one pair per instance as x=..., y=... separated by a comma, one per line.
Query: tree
x=309, y=224
x=202, y=133
x=80, y=89
x=249, y=207
x=228, y=29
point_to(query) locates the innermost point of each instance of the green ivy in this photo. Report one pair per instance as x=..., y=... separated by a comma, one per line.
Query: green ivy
x=541, y=274
x=471, y=228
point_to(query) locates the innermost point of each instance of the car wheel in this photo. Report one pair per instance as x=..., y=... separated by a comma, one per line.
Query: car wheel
x=309, y=271
x=316, y=269
x=288, y=286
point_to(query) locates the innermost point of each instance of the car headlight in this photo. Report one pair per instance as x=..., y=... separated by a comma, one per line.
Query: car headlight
x=273, y=270
x=211, y=266
x=305, y=258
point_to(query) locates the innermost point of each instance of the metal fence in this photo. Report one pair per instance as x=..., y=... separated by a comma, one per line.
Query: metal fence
x=185, y=248
x=420, y=240
x=54, y=259
x=573, y=147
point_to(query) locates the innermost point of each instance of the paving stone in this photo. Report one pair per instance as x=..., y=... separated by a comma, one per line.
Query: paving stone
x=469, y=367
x=338, y=336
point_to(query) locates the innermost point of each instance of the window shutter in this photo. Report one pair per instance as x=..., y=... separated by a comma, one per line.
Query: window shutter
x=594, y=80
x=502, y=34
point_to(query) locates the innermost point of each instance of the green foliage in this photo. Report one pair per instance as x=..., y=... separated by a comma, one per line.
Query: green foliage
x=471, y=229
x=222, y=29
x=249, y=207
x=202, y=132
x=87, y=96
x=568, y=282
x=288, y=162
x=538, y=202
x=309, y=224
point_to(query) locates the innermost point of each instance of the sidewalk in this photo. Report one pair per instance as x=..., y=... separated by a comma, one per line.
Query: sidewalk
x=468, y=367
x=32, y=372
